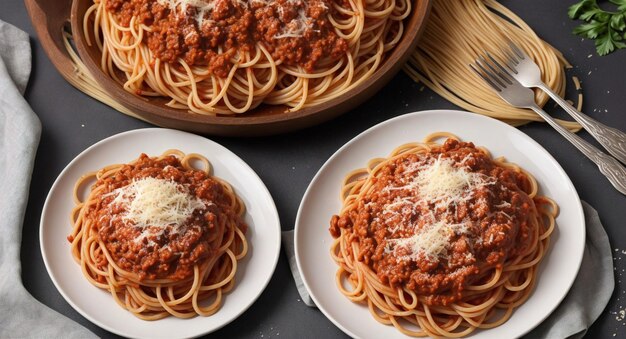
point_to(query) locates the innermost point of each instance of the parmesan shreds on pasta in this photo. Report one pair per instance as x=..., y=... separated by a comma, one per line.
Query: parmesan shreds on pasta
x=172, y=233
x=435, y=229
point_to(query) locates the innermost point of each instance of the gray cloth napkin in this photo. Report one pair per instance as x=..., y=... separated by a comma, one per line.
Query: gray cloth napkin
x=583, y=304
x=21, y=315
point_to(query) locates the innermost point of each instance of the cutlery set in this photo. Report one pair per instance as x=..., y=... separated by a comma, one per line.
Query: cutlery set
x=513, y=79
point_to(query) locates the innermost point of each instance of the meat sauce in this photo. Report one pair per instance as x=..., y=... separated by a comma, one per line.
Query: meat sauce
x=162, y=254
x=485, y=226
x=294, y=32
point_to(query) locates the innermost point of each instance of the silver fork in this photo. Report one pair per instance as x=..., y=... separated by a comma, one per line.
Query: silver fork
x=523, y=69
x=511, y=91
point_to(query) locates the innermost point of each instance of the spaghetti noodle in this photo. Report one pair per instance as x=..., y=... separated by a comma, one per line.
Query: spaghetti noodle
x=229, y=56
x=163, y=237
x=457, y=33
x=440, y=240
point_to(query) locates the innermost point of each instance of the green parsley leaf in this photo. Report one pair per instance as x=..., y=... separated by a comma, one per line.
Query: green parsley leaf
x=608, y=29
x=617, y=22
x=602, y=16
x=577, y=9
x=590, y=14
x=609, y=42
x=617, y=40
x=591, y=30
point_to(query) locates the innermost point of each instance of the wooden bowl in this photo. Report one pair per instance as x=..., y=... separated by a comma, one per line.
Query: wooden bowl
x=51, y=16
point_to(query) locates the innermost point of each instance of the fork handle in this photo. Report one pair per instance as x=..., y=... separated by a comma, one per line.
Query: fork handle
x=610, y=138
x=612, y=169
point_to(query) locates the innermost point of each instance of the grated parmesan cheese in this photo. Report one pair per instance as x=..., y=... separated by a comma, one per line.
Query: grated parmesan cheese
x=156, y=203
x=296, y=27
x=437, y=182
x=432, y=240
x=442, y=181
x=202, y=7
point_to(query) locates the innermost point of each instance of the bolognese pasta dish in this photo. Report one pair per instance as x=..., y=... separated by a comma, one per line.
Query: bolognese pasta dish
x=163, y=237
x=440, y=239
x=229, y=56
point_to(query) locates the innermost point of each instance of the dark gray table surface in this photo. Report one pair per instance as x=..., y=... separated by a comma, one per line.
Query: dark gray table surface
x=286, y=163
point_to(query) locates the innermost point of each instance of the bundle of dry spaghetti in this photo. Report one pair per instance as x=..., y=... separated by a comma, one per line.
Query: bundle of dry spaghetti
x=86, y=83
x=457, y=33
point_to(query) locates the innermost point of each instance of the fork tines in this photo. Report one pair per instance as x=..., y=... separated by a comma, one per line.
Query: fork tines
x=492, y=71
x=517, y=53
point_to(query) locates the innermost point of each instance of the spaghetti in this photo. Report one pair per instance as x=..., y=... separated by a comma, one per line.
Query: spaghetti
x=440, y=240
x=229, y=56
x=163, y=237
x=457, y=33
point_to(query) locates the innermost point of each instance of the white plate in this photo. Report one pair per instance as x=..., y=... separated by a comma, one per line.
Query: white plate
x=321, y=200
x=97, y=305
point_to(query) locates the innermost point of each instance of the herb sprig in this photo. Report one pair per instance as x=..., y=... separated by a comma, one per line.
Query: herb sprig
x=608, y=29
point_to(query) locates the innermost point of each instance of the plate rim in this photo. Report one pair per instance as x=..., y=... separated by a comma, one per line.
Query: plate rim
x=273, y=212
x=578, y=205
